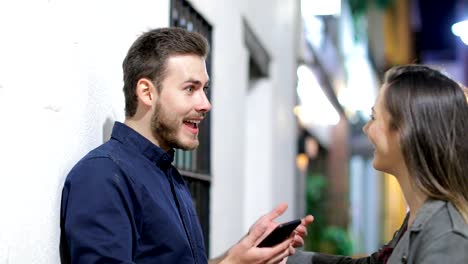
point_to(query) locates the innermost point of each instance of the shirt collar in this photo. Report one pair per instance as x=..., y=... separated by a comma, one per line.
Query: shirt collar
x=429, y=208
x=139, y=143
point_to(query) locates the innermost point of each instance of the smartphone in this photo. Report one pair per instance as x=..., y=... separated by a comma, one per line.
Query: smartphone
x=280, y=233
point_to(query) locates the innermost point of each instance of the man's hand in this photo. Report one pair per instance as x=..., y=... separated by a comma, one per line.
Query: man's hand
x=300, y=234
x=301, y=231
x=246, y=250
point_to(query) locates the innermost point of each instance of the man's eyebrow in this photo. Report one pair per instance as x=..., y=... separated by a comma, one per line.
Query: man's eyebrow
x=197, y=82
x=373, y=110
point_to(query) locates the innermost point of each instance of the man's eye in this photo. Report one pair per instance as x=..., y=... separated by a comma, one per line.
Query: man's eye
x=205, y=89
x=372, y=117
x=190, y=88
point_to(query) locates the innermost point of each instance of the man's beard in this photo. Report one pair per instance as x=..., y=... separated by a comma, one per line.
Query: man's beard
x=164, y=127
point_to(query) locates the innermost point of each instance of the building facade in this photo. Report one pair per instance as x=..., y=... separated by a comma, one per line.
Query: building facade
x=61, y=91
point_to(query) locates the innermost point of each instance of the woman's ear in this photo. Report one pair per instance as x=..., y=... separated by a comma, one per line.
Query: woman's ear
x=146, y=91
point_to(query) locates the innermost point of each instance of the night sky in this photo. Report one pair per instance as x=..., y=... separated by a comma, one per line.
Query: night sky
x=436, y=36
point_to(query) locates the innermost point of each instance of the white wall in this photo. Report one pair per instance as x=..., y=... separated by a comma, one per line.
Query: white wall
x=285, y=42
x=244, y=185
x=229, y=79
x=60, y=79
x=258, y=184
x=271, y=124
x=61, y=90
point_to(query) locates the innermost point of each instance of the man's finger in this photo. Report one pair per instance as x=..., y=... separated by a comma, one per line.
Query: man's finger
x=257, y=231
x=298, y=241
x=281, y=254
x=279, y=210
x=282, y=246
x=292, y=250
x=270, y=227
x=307, y=220
x=301, y=230
x=276, y=253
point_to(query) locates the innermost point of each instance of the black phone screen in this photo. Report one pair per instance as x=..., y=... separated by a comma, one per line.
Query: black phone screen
x=280, y=233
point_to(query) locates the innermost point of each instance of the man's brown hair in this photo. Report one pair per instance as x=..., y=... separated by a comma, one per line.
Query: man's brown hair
x=148, y=55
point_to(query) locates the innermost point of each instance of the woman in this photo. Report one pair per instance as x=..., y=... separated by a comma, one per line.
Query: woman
x=419, y=129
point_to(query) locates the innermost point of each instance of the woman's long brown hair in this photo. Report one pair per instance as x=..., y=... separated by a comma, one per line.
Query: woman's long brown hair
x=430, y=111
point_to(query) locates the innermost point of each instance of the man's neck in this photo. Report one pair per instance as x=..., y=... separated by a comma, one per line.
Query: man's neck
x=142, y=129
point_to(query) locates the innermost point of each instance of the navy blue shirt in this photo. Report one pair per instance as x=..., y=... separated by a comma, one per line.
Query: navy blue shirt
x=125, y=203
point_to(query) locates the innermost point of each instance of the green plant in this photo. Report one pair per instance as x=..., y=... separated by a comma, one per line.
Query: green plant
x=321, y=236
x=336, y=241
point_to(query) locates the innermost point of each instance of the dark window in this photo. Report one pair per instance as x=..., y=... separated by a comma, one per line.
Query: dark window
x=195, y=165
x=259, y=59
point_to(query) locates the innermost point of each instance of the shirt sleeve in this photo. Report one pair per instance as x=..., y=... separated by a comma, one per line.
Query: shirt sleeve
x=96, y=214
x=303, y=257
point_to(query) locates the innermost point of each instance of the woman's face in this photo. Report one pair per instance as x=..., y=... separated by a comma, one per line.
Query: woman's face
x=388, y=156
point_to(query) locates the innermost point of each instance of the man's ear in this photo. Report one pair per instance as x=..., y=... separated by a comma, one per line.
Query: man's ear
x=146, y=91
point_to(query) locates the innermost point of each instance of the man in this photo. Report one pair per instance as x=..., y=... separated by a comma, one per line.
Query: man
x=124, y=202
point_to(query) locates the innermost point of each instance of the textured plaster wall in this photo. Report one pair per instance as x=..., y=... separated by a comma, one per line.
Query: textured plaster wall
x=60, y=91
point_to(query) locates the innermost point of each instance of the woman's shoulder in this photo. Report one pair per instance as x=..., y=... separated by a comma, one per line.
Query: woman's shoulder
x=441, y=219
x=441, y=236
x=458, y=224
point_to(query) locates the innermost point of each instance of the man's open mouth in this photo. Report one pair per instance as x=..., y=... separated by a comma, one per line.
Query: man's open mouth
x=192, y=123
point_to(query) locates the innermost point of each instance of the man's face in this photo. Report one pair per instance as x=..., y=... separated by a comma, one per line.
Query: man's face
x=182, y=103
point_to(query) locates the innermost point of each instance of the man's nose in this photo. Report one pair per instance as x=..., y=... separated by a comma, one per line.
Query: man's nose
x=203, y=104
